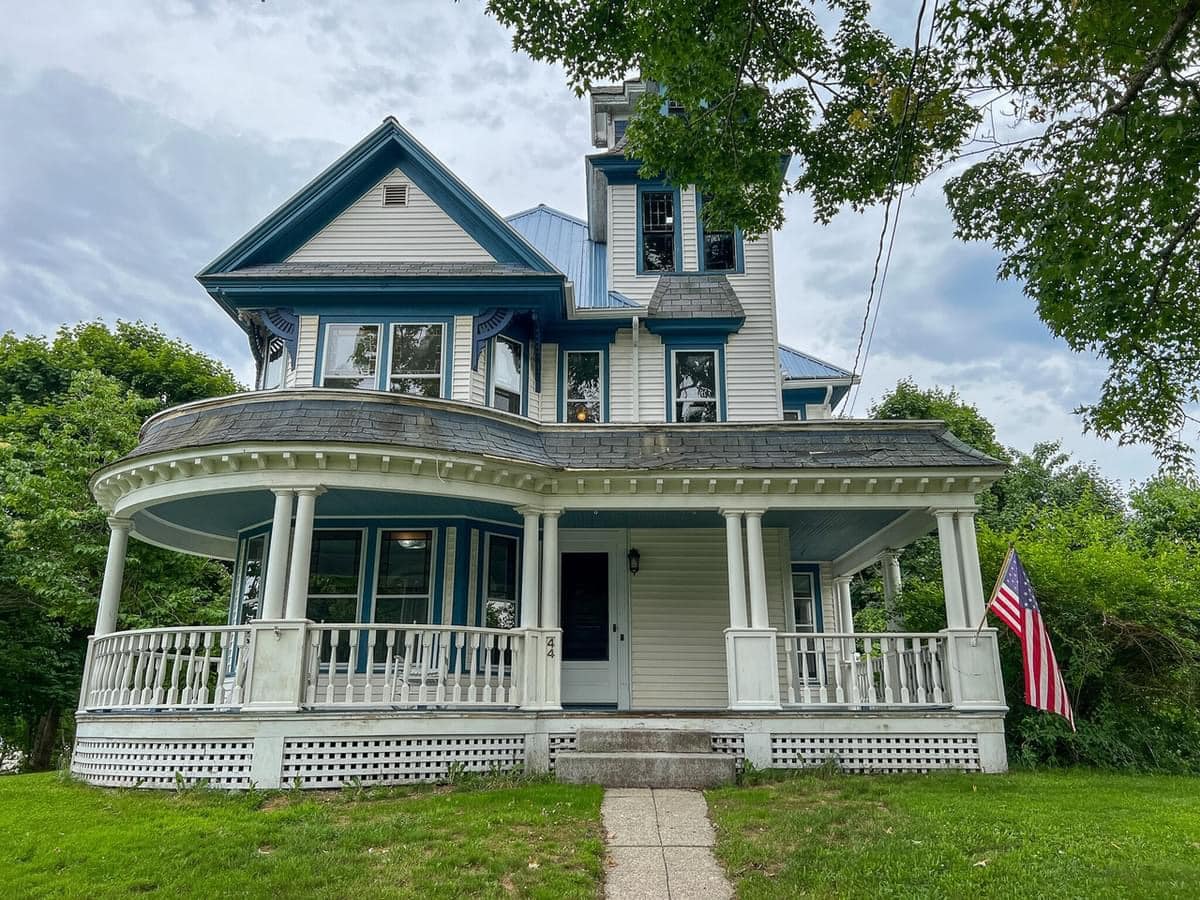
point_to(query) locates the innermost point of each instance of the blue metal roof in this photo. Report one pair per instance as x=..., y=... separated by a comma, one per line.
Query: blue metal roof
x=800, y=365
x=563, y=240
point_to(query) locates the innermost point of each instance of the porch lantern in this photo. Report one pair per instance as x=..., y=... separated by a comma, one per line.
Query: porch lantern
x=635, y=560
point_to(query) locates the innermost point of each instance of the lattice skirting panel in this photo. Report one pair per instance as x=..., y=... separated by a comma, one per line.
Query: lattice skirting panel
x=561, y=743
x=877, y=753
x=733, y=744
x=332, y=763
x=162, y=764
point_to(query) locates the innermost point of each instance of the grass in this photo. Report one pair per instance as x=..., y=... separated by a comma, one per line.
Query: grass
x=1073, y=833
x=63, y=839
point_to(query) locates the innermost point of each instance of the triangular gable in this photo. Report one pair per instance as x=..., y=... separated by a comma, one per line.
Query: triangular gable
x=386, y=149
x=368, y=230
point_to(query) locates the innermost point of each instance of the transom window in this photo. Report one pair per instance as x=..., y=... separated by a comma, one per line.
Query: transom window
x=507, y=374
x=500, y=601
x=695, y=385
x=416, y=366
x=658, y=231
x=719, y=248
x=403, y=593
x=583, y=386
x=250, y=580
x=351, y=356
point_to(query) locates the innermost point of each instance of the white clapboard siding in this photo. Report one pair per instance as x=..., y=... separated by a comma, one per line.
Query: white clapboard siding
x=448, y=576
x=620, y=377
x=652, y=375
x=420, y=231
x=460, y=378
x=473, y=580
x=622, y=245
x=306, y=352
x=477, y=391
x=680, y=610
x=752, y=354
x=548, y=407
x=651, y=404
x=687, y=222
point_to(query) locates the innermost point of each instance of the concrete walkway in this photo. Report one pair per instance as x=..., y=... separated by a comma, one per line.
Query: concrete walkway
x=660, y=846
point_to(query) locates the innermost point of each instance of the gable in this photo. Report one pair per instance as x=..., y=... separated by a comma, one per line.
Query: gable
x=367, y=230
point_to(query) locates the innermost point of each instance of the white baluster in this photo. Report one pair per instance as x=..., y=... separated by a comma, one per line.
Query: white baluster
x=935, y=670
x=472, y=663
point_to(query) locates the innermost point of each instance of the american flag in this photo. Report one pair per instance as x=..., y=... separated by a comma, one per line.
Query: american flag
x=1015, y=604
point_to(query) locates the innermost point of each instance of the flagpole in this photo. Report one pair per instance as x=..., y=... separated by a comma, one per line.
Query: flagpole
x=995, y=587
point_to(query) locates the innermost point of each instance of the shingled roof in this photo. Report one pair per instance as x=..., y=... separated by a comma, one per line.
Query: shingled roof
x=694, y=297
x=440, y=425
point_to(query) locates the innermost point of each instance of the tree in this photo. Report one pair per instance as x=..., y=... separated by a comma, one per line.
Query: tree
x=61, y=418
x=1074, y=129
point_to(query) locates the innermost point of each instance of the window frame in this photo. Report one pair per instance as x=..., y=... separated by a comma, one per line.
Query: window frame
x=718, y=353
x=326, y=344
x=523, y=398
x=238, y=595
x=817, y=661
x=564, y=380
x=739, y=260
x=388, y=374
x=659, y=188
x=362, y=563
x=485, y=594
x=284, y=363
x=380, y=530
x=383, y=353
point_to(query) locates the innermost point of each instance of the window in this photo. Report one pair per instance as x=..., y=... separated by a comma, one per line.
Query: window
x=582, y=388
x=416, y=366
x=350, y=356
x=274, y=368
x=804, y=608
x=507, y=372
x=333, y=575
x=658, y=231
x=791, y=415
x=619, y=126
x=403, y=593
x=695, y=385
x=500, y=600
x=250, y=581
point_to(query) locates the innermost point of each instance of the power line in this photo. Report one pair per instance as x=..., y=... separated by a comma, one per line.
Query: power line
x=876, y=276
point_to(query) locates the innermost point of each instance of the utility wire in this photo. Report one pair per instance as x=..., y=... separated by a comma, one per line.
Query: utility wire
x=878, y=275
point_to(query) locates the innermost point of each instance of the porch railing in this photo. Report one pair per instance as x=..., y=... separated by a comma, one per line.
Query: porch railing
x=865, y=670
x=167, y=668
x=412, y=666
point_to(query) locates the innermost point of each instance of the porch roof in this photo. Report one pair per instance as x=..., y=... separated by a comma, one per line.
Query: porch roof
x=326, y=416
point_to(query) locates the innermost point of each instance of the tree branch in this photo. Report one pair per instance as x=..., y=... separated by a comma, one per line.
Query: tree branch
x=1186, y=227
x=1187, y=13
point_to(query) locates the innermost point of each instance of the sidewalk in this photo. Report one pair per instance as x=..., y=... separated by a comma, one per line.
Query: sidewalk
x=660, y=846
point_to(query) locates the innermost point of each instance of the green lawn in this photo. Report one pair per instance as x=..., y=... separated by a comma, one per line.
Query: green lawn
x=1045, y=834
x=67, y=840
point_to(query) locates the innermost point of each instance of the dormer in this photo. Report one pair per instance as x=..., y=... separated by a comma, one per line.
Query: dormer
x=612, y=106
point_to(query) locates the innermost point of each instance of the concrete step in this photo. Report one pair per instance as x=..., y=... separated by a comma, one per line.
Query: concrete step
x=643, y=740
x=646, y=770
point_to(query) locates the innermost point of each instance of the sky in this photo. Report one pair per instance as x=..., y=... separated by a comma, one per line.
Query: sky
x=139, y=140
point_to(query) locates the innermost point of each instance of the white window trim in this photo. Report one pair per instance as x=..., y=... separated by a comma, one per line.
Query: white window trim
x=239, y=587
x=676, y=400
x=376, y=596
x=487, y=565
x=566, y=397
x=492, y=357
x=387, y=375
x=362, y=563
x=325, y=344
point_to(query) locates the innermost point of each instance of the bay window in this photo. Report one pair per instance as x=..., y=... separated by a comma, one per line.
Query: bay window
x=582, y=386
x=416, y=364
x=351, y=353
x=694, y=385
x=508, y=374
x=404, y=590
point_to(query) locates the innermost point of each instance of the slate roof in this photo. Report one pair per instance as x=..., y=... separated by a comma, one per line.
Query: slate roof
x=439, y=425
x=796, y=364
x=375, y=269
x=694, y=297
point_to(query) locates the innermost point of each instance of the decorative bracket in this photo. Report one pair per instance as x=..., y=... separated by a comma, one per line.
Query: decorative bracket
x=488, y=324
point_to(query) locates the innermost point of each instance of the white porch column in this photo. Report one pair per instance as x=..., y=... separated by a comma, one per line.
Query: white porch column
x=277, y=555
x=758, y=570
x=114, y=575
x=968, y=555
x=529, y=567
x=952, y=581
x=843, y=608
x=550, y=568
x=737, y=569
x=297, y=594
x=891, y=586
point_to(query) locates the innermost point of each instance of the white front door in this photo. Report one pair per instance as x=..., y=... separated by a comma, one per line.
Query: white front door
x=595, y=642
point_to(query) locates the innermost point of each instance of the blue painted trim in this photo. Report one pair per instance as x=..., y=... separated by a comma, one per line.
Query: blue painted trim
x=739, y=267
x=594, y=346
x=713, y=330
x=386, y=148
x=462, y=571
x=678, y=343
x=815, y=571
x=383, y=350
x=660, y=187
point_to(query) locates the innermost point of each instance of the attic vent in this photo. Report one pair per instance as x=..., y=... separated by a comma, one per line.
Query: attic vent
x=395, y=195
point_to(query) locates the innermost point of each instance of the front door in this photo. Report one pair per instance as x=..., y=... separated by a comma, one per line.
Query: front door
x=594, y=638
